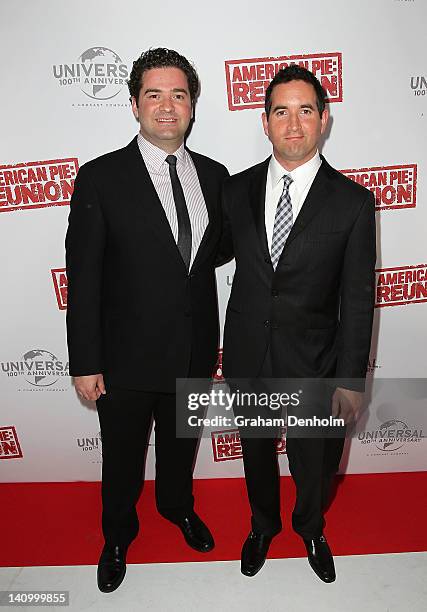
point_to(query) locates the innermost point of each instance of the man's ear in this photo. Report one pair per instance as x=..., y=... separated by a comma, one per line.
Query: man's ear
x=324, y=120
x=134, y=107
x=265, y=123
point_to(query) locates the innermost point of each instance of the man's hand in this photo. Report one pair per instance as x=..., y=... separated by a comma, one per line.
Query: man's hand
x=346, y=404
x=90, y=387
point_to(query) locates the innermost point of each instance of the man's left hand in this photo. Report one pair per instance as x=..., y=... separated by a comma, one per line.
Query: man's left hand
x=346, y=404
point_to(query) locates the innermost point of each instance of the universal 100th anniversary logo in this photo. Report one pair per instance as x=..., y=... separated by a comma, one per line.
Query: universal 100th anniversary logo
x=99, y=72
x=38, y=370
x=393, y=437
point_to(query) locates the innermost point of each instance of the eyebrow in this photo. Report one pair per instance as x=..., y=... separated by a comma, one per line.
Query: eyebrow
x=284, y=107
x=175, y=90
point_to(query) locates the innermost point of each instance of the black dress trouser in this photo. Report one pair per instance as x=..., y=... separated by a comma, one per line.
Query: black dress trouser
x=313, y=462
x=125, y=418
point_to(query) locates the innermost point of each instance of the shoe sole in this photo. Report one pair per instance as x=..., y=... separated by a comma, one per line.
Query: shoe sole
x=116, y=586
x=318, y=575
x=251, y=574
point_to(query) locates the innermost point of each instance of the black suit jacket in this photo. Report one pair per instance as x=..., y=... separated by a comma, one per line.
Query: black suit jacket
x=315, y=311
x=134, y=312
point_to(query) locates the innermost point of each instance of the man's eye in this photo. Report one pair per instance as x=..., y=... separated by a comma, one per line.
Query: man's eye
x=306, y=111
x=281, y=113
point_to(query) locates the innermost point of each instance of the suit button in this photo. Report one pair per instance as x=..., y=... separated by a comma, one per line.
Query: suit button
x=266, y=323
x=187, y=313
x=267, y=260
x=275, y=293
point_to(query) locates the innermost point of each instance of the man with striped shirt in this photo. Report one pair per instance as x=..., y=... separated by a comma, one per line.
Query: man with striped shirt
x=141, y=246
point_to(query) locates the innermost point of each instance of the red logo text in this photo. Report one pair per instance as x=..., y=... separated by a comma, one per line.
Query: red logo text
x=398, y=286
x=9, y=444
x=60, y=284
x=393, y=186
x=37, y=184
x=226, y=445
x=247, y=79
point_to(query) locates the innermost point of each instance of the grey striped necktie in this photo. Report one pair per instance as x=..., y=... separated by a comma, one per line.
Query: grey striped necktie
x=283, y=221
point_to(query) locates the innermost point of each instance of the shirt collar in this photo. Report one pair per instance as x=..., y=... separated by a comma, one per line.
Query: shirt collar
x=301, y=175
x=155, y=157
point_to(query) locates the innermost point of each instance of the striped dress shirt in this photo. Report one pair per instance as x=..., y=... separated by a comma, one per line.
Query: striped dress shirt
x=158, y=170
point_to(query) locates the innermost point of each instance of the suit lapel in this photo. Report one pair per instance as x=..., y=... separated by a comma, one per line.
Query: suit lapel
x=257, y=203
x=147, y=200
x=209, y=194
x=317, y=196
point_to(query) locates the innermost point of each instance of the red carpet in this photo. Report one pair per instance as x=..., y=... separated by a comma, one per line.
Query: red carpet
x=59, y=523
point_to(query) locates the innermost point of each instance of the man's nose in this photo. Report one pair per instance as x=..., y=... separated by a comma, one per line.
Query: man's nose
x=294, y=122
x=166, y=104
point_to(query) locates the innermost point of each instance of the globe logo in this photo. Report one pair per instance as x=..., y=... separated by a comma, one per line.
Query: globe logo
x=91, y=445
x=103, y=74
x=40, y=366
x=391, y=434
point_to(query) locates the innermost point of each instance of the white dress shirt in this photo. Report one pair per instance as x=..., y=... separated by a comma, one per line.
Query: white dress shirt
x=158, y=170
x=302, y=178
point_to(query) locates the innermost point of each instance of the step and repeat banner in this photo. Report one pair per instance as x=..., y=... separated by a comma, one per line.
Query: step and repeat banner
x=65, y=101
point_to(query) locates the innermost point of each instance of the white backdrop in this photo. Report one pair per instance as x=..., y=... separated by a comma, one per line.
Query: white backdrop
x=370, y=54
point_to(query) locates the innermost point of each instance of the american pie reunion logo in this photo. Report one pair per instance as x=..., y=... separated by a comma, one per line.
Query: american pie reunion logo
x=248, y=79
x=37, y=184
x=226, y=444
x=60, y=284
x=394, y=187
x=9, y=443
x=402, y=285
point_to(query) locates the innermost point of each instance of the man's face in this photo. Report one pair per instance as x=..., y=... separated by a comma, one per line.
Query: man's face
x=164, y=107
x=294, y=125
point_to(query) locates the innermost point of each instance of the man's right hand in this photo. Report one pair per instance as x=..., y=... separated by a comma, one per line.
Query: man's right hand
x=90, y=387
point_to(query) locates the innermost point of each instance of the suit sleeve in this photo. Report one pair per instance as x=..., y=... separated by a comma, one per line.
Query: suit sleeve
x=357, y=299
x=226, y=249
x=84, y=246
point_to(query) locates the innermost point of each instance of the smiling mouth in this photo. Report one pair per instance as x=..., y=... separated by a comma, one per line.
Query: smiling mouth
x=166, y=120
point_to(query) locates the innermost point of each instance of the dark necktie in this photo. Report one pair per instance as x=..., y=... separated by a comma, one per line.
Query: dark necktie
x=184, y=225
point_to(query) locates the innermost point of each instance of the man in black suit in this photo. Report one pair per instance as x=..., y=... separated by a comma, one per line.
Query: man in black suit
x=301, y=304
x=141, y=246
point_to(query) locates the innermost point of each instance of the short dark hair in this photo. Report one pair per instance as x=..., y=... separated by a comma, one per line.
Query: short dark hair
x=296, y=73
x=162, y=58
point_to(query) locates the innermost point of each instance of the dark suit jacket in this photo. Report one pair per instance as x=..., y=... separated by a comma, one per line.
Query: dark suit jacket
x=134, y=312
x=315, y=311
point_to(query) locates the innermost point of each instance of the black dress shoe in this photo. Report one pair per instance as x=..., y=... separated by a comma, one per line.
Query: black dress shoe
x=111, y=568
x=196, y=533
x=254, y=552
x=320, y=558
